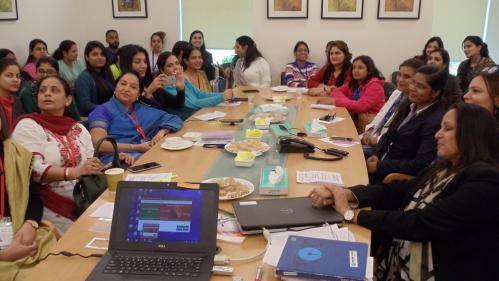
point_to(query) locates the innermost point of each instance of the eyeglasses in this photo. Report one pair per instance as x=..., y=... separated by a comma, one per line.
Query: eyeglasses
x=417, y=85
x=46, y=72
x=491, y=69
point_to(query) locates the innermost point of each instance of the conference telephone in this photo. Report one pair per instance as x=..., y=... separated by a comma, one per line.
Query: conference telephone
x=289, y=144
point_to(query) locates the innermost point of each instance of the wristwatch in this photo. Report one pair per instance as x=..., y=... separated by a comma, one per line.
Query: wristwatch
x=33, y=223
x=348, y=215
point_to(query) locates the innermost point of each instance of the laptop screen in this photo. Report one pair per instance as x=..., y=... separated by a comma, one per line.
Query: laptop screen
x=148, y=217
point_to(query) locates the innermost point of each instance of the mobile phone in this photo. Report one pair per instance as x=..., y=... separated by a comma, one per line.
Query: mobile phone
x=144, y=167
x=231, y=120
x=251, y=91
x=170, y=80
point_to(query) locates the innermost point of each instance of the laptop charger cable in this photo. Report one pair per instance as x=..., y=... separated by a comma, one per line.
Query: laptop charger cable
x=69, y=254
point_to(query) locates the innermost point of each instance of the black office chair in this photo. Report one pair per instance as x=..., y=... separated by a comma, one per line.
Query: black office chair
x=389, y=88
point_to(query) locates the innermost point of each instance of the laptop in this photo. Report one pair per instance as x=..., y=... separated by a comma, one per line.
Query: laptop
x=160, y=232
x=281, y=214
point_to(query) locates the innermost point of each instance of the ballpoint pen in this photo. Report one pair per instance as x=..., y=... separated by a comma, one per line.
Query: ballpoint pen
x=259, y=273
x=341, y=138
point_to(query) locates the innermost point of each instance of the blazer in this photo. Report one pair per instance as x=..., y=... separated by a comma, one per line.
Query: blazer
x=462, y=223
x=413, y=146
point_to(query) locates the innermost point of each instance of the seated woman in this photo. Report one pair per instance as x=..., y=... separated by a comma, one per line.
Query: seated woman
x=197, y=41
x=70, y=65
x=94, y=86
x=484, y=90
x=46, y=66
x=409, y=146
x=251, y=68
x=22, y=206
x=432, y=44
x=335, y=73
x=62, y=149
x=7, y=54
x=440, y=58
x=193, y=63
x=179, y=48
x=477, y=54
x=37, y=50
x=363, y=96
x=433, y=219
x=299, y=72
x=10, y=82
x=157, y=44
x=135, y=127
x=195, y=99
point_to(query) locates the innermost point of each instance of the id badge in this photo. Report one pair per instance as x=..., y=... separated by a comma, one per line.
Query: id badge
x=6, y=232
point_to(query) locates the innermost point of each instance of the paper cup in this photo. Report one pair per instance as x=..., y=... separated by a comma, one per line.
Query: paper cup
x=113, y=176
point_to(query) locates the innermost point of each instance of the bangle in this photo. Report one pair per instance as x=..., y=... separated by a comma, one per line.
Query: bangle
x=66, y=172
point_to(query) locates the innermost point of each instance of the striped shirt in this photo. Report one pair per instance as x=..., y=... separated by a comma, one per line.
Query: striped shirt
x=297, y=76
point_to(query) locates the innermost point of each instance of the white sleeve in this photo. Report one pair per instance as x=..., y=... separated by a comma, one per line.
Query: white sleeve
x=87, y=147
x=32, y=137
x=384, y=110
x=265, y=73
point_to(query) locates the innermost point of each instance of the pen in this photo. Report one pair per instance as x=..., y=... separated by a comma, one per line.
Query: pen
x=341, y=138
x=259, y=273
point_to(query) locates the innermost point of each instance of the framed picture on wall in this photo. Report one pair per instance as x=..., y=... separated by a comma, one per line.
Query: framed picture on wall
x=342, y=9
x=287, y=9
x=129, y=8
x=8, y=10
x=399, y=9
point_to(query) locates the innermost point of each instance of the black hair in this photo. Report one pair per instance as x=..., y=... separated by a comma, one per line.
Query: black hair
x=5, y=52
x=50, y=60
x=477, y=40
x=252, y=52
x=110, y=31
x=65, y=85
x=104, y=87
x=203, y=47
x=372, y=71
x=135, y=73
x=412, y=63
x=187, y=53
x=492, y=83
x=342, y=45
x=32, y=45
x=179, y=49
x=162, y=58
x=5, y=131
x=445, y=57
x=437, y=39
x=4, y=63
x=64, y=46
x=298, y=45
x=127, y=53
x=161, y=35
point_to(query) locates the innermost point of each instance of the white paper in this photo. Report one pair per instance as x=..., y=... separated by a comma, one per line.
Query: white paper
x=342, y=143
x=272, y=107
x=104, y=211
x=91, y=246
x=318, y=177
x=335, y=120
x=229, y=104
x=322, y=106
x=210, y=116
x=155, y=177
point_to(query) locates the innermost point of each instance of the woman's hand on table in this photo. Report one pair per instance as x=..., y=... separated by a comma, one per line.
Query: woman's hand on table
x=157, y=138
x=127, y=158
x=321, y=196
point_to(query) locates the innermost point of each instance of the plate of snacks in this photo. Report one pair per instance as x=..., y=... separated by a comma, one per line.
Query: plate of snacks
x=275, y=117
x=247, y=145
x=232, y=188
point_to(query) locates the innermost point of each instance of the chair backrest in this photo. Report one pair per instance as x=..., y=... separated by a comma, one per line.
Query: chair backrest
x=283, y=78
x=389, y=88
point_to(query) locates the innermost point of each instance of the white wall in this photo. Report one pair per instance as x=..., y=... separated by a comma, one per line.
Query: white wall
x=493, y=31
x=82, y=21
x=388, y=42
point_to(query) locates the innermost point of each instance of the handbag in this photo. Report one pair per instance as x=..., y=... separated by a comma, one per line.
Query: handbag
x=90, y=187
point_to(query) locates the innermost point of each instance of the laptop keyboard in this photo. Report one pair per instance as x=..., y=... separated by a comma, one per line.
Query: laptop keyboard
x=155, y=265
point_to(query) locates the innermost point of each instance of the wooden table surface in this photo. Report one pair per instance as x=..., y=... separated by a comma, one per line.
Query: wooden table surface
x=192, y=165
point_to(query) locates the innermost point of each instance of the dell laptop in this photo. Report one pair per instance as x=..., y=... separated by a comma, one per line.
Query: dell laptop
x=160, y=232
x=281, y=214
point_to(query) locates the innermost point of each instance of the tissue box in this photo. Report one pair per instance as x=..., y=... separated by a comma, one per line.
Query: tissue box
x=245, y=159
x=279, y=188
x=318, y=134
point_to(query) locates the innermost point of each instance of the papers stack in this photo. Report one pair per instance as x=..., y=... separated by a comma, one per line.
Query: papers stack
x=210, y=116
x=318, y=177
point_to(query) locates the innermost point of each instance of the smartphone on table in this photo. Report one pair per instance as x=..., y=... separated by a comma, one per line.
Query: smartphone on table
x=144, y=167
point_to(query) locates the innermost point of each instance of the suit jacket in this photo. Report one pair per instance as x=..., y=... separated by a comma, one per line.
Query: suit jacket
x=462, y=223
x=413, y=147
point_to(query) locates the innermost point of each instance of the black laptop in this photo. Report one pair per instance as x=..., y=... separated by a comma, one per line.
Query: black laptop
x=160, y=232
x=281, y=214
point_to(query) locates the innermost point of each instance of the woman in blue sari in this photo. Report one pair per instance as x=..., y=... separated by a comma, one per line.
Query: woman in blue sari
x=135, y=127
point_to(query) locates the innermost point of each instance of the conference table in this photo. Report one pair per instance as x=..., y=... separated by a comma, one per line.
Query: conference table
x=193, y=164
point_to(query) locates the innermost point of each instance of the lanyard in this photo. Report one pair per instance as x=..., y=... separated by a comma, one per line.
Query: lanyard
x=136, y=124
x=2, y=180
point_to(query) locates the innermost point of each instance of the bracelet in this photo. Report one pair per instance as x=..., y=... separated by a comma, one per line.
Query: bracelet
x=66, y=172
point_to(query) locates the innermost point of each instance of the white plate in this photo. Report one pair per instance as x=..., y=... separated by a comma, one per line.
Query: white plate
x=230, y=196
x=280, y=88
x=285, y=96
x=265, y=148
x=186, y=144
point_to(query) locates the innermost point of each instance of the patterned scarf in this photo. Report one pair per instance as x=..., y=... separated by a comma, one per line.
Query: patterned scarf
x=408, y=260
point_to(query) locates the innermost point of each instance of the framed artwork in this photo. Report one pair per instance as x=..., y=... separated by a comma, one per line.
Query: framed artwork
x=399, y=9
x=287, y=9
x=129, y=8
x=8, y=10
x=342, y=9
